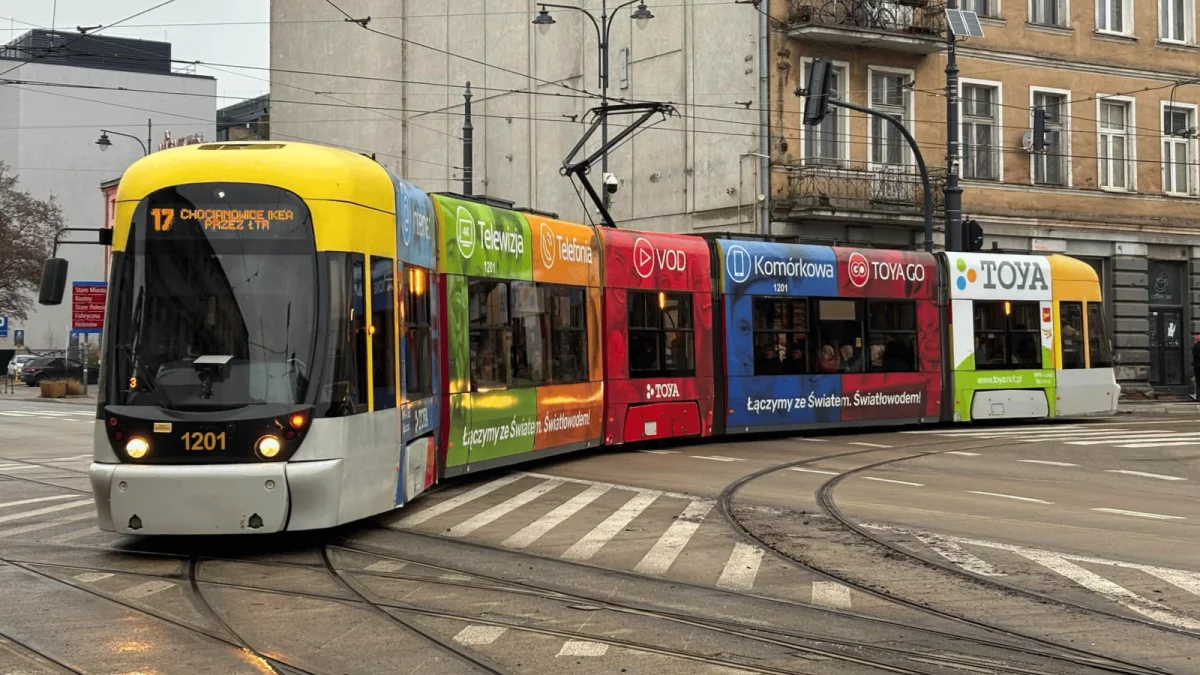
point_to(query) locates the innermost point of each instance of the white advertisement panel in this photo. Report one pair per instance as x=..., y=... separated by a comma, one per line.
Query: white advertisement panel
x=996, y=276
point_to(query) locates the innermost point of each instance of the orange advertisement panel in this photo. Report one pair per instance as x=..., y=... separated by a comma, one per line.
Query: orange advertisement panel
x=569, y=414
x=564, y=253
x=595, y=350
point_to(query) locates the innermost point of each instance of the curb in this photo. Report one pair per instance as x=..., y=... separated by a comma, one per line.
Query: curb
x=59, y=401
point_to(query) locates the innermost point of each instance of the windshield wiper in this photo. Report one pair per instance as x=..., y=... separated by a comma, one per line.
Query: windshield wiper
x=133, y=353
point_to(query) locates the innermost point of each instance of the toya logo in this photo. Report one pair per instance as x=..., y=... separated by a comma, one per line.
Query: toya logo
x=966, y=274
x=646, y=259
x=859, y=270
x=1020, y=275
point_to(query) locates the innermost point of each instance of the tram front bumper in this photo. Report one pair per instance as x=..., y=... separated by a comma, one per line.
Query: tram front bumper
x=191, y=500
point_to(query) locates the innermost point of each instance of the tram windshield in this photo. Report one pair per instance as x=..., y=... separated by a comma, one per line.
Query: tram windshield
x=214, y=300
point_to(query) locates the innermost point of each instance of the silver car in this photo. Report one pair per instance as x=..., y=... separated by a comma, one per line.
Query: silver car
x=17, y=363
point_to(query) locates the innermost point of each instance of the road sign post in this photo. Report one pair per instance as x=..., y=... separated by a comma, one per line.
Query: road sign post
x=3, y=327
x=87, y=316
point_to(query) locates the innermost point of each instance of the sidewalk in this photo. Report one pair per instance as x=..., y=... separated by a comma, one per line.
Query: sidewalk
x=33, y=395
x=1150, y=407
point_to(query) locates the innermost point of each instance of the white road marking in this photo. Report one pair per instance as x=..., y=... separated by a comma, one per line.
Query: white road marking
x=804, y=470
x=1160, y=444
x=92, y=577
x=1046, y=462
x=533, y=531
x=810, y=440
x=742, y=568
x=950, y=550
x=584, y=481
x=43, y=511
x=35, y=500
x=73, y=535
x=997, y=494
x=1188, y=581
x=582, y=648
x=18, y=467
x=593, y=541
x=660, y=558
x=386, y=566
x=34, y=527
x=869, y=445
x=1139, y=514
x=1119, y=594
x=503, y=508
x=719, y=458
x=76, y=458
x=479, y=635
x=960, y=453
x=1143, y=474
x=830, y=594
x=455, y=502
x=145, y=590
x=889, y=480
x=659, y=452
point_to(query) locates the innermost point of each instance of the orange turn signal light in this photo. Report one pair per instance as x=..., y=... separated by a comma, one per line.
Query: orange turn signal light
x=297, y=420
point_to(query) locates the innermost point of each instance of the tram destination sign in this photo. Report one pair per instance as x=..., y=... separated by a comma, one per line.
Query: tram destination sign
x=235, y=221
x=87, y=306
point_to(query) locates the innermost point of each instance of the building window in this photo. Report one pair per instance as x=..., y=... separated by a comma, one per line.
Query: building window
x=980, y=105
x=891, y=336
x=1047, y=12
x=828, y=143
x=1179, y=151
x=1050, y=165
x=986, y=8
x=1007, y=335
x=418, y=334
x=1099, y=344
x=1116, y=169
x=1175, y=20
x=1071, y=318
x=660, y=334
x=1113, y=16
x=781, y=340
x=889, y=95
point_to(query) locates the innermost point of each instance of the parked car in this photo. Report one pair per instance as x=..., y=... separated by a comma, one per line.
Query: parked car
x=16, y=367
x=50, y=368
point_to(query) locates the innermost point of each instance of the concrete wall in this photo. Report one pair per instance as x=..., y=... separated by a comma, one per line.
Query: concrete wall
x=681, y=175
x=48, y=138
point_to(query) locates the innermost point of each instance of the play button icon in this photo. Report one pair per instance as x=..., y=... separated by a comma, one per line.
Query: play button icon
x=643, y=258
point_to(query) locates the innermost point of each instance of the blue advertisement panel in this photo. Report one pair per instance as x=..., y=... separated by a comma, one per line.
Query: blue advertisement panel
x=415, y=224
x=784, y=400
x=764, y=268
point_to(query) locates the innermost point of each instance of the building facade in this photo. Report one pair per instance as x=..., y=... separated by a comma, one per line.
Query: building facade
x=248, y=120
x=67, y=89
x=1117, y=185
x=398, y=93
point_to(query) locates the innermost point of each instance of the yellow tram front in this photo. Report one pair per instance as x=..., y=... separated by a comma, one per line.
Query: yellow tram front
x=231, y=366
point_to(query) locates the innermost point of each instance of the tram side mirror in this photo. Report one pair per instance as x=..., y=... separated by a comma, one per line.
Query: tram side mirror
x=54, y=281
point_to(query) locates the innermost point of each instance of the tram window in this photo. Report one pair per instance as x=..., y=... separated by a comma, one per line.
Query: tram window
x=891, y=336
x=1071, y=319
x=1099, y=345
x=781, y=340
x=358, y=324
x=383, y=339
x=418, y=354
x=529, y=340
x=841, y=337
x=490, y=334
x=1007, y=335
x=568, y=355
x=340, y=395
x=661, y=340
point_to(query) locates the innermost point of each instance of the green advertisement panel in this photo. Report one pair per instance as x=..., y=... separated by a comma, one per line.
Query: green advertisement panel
x=480, y=241
x=458, y=342
x=966, y=383
x=485, y=426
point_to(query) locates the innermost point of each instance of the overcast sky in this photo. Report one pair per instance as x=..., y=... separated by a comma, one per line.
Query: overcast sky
x=231, y=31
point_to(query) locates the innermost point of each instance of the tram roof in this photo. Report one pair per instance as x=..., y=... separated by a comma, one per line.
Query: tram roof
x=314, y=172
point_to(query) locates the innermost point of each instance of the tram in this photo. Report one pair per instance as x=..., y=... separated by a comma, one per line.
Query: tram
x=297, y=338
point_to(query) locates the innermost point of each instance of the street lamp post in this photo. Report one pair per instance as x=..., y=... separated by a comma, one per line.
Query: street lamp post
x=105, y=144
x=603, y=27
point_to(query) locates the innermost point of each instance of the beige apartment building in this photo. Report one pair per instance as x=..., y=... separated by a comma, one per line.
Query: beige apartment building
x=1117, y=186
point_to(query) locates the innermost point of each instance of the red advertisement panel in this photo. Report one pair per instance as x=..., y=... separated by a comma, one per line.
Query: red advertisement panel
x=879, y=273
x=621, y=394
x=929, y=338
x=898, y=396
x=653, y=260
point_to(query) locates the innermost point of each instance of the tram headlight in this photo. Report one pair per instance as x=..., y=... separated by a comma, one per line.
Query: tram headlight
x=268, y=447
x=137, y=447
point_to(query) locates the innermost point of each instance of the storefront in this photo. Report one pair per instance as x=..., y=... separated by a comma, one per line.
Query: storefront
x=1168, y=327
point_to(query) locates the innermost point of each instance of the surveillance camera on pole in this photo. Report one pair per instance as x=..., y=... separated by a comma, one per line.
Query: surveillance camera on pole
x=611, y=183
x=816, y=95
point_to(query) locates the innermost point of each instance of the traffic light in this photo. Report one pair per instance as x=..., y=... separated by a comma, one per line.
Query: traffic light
x=972, y=235
x=816, y=100
x=1039, y=129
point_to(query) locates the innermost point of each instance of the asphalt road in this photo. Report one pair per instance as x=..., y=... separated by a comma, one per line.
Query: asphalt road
x=621, y=561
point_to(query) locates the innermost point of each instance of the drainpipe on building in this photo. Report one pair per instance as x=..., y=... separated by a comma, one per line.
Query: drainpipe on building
x=764, y=122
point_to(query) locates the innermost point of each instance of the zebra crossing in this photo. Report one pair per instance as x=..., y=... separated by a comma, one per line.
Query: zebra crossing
x=55, y=518
x=86, y=416
x=1109, y=435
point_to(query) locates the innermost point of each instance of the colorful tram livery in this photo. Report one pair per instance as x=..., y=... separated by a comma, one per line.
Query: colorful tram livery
x=296, y=338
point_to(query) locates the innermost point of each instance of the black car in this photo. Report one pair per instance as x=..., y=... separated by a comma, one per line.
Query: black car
x=55, y=368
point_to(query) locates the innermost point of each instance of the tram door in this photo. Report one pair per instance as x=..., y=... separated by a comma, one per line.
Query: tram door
x=1166, y=347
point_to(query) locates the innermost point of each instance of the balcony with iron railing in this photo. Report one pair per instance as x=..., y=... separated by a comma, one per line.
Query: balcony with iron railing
x=912, y=26
x=857, y=190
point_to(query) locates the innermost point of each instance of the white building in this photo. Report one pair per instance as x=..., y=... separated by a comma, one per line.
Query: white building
x=70, y=87
x=400, y=96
